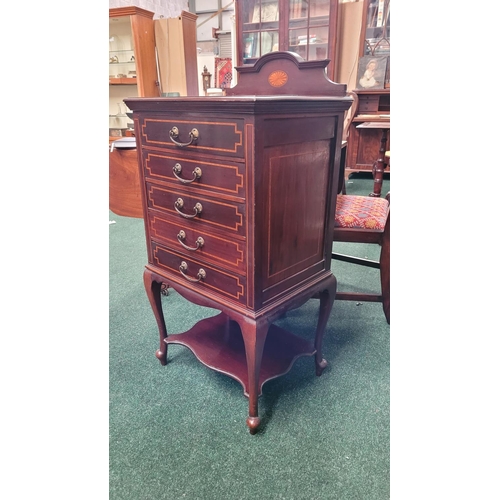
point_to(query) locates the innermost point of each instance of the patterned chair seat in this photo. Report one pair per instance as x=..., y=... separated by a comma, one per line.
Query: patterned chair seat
x=361, y=212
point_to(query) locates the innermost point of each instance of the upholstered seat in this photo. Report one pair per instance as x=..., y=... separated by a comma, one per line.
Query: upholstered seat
x=361, y=212
x=365, y=219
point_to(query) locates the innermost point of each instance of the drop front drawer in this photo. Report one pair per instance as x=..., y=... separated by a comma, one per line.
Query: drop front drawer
x=218, y=137
x=195, y=242
x=202, y=277
x=218, y=177
x=210, y=213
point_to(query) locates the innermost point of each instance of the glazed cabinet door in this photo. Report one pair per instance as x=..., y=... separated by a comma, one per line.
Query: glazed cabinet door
x=306, y=27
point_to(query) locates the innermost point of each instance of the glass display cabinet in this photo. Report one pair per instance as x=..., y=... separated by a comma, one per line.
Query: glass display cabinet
x=305, y=27
x=132, y=62
x=376, y=27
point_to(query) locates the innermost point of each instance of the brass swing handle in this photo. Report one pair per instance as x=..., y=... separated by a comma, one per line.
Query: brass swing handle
x=182, y=236
x=177, y=169
x=174, y=134
x=179, y=203
x=201, y=273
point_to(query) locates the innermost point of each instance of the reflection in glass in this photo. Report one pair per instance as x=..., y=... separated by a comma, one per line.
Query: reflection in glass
x=378, y=28
x=270, y=42
x=307, y=28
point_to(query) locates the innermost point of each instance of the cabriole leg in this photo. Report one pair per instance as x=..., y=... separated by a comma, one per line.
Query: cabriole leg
x=326, y=296
x=254, y=337
x=153, y=286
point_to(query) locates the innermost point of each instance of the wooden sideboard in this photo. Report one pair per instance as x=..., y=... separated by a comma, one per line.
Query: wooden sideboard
x=239, y=198
x=364, y=144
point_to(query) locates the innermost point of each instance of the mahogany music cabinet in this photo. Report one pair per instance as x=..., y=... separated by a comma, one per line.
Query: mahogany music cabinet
x=239, y=198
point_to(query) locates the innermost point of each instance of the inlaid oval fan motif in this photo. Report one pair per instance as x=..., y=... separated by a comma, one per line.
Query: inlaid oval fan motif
x=277, y=78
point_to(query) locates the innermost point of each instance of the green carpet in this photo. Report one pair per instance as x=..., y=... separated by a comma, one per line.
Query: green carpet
x=179, y=431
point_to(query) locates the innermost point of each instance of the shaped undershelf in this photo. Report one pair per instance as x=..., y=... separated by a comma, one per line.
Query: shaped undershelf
x=217, y=342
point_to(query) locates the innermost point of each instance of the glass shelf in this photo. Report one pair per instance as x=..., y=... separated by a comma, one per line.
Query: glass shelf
x=115, y=80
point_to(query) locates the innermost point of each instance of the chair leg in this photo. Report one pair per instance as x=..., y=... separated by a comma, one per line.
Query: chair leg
x=385, y=271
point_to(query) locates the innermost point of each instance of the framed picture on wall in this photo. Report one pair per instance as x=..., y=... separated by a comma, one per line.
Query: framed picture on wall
x=371, y=72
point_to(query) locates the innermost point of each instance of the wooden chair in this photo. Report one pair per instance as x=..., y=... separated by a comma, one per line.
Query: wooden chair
x=349, y=116
x=364, y=219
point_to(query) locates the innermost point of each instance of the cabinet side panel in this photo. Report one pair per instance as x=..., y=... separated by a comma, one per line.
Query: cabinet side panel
x=296, y=177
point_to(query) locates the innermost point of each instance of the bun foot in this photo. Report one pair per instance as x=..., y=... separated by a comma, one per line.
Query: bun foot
x=162, y=356
x=321, y=366
x=253, y=424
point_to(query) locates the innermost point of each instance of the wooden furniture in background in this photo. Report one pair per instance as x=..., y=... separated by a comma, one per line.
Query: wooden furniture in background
x=239, y=196
x=348, y=118
x=375, y=104
x=364, y=143
x=308, y=28
x=177, y=55
x=134, y=27
x=132, y=61
x=364, y=219
x=124, y=189
x=380, y=163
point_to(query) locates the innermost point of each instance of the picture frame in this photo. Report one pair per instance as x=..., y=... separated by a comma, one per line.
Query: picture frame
x=371, y=72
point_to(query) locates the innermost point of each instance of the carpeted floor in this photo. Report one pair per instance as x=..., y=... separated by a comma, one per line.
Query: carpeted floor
x=179, y=431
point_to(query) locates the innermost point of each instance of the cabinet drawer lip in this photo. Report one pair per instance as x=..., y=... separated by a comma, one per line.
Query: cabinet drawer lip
x=193, y=191
x=193, y=154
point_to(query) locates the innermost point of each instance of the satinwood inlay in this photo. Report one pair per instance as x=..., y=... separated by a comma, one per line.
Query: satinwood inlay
x=278, y=78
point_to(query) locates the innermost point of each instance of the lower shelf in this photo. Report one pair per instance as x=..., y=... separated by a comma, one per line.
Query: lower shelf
x=217, y=342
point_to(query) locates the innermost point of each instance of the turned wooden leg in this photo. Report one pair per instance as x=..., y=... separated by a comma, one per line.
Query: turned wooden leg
x=254, y=337
x=378, y=169
x=385, y=270
x=326, y=298
x=153, y=285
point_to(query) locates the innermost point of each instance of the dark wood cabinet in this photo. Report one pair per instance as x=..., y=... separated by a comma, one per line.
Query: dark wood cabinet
x=308, y=28
x=239, y=200
x=364, y=143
